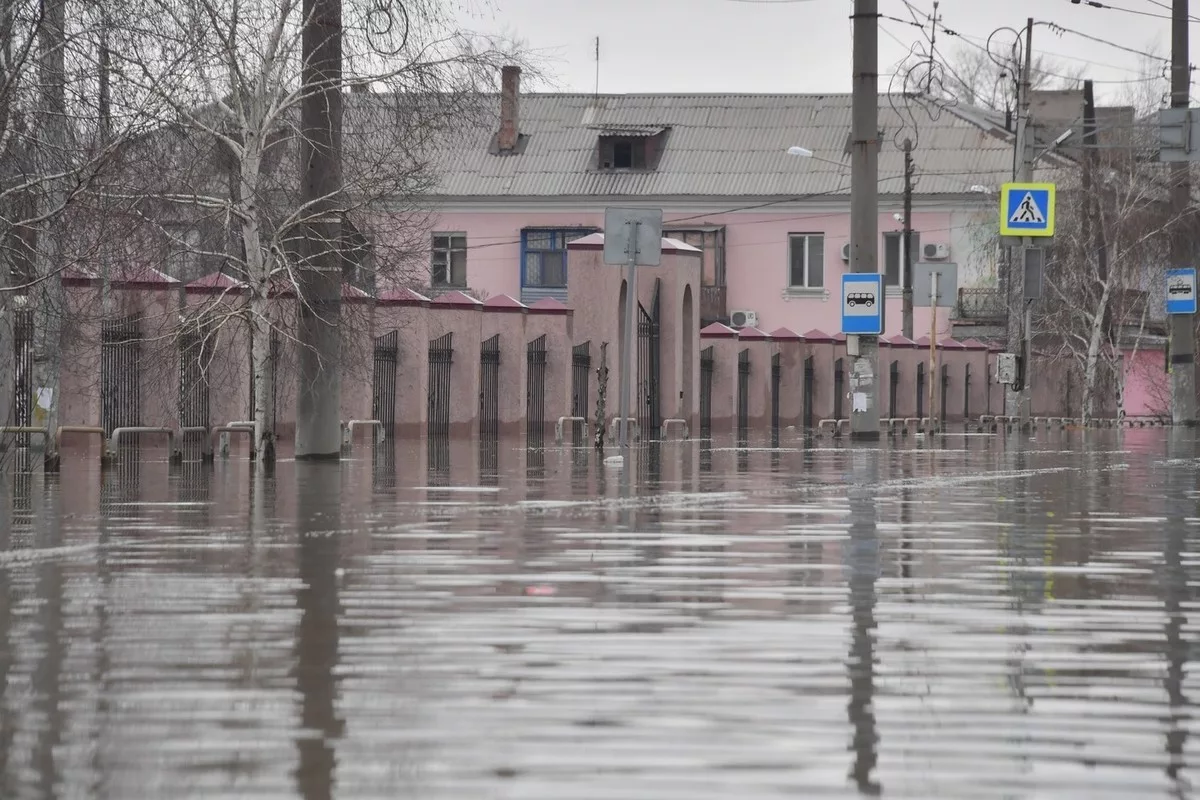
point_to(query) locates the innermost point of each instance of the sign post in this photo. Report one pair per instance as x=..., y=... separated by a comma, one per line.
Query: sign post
x=934, y=286
x=862, y=303
x=632, y=236
x=1027, y=209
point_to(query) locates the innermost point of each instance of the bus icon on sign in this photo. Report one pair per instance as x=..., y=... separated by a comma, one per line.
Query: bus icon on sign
x=860, y=299
x=1180, y=287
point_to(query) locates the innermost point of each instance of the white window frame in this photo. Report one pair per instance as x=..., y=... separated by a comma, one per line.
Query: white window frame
x=807, y=286
x=898, y=236
x=447, y=256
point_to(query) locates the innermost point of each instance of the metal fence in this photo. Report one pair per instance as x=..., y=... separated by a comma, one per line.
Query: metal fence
x=707, y=363
x=942, y=406
x=121, y=373
x=441, y=357
x=383, y=381
x=195, y=355
x=581, y=370
x=894, y=390
x=776, y=386
x=743, y=393
x=489, y=389
x=648, y=364
x=810, y=389
x=23, y=377
x=839, y=388
x=966, y=392
x=921, y=389
x=535, y=396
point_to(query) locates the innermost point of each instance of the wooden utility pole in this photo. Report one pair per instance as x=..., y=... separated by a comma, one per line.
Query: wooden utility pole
x=906, y=325
x=1183, y=342
x=864, y=205
x=318, y=412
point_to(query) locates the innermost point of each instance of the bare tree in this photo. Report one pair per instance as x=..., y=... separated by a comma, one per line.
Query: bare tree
x=226, y=91
x=978, y=78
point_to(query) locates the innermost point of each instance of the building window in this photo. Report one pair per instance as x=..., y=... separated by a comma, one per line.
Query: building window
x=623, y=152
x=806, y=261
x=893, y=262
x=449, y=264
x=544, y=256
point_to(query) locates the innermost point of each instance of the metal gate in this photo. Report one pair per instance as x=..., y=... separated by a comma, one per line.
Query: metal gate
x=776, y=384
x=707, y=363
x=120, y=373
x=921, y=390
x=648, y=362
x=489, y=389
x=581, y=370
x=383, y=381
x=839, y=388
x=441, y=356
x=23, y=376
x=195, y=355
x=894, y=390
x=810, y=388
x=743, y=390
x=535, y=396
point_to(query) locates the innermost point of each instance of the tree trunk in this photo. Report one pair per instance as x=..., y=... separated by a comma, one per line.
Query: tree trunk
x=1092, y=362
x=263, y=369
x=50, y=297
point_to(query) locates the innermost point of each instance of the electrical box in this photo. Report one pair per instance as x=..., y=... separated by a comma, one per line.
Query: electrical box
x=1006, y=369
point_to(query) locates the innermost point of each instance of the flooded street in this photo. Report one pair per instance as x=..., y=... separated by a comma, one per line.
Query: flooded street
x=972, y=618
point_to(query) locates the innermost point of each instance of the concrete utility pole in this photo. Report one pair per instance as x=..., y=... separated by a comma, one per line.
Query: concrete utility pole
x=906, y=325
x=1020, y=340
x=864, y=204
x=1183, y=342
x=318, y=412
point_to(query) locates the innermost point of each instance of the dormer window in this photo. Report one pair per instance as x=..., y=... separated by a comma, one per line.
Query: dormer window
x=632, y=150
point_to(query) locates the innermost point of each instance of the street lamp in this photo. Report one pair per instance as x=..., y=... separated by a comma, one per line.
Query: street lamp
x=804, y=152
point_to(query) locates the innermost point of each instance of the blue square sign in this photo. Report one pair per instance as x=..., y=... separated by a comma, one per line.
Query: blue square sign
x=1027, y=209
x=862, y=303
x=1181, y=291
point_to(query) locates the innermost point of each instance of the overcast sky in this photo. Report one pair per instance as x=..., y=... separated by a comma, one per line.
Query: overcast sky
x=800, y=45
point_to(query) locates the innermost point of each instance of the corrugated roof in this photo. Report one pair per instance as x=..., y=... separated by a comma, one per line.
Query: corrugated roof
x=721, y=145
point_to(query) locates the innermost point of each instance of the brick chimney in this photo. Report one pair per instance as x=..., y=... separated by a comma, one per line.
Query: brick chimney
x=510, y=106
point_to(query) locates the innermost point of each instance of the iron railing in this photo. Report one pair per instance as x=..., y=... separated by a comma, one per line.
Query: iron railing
x=120, y=374
x=893, y=390
x=489, y=389
x=839, y=388
x=981, y=305
x=535, y=396
x=441, y=359
x=776, y=386
x=195, y=354
x=810, y=388
x=707, y=363
x=921, y=390
x=648, y=364
x=383, y=381
x=581, y=371
x=743, y=391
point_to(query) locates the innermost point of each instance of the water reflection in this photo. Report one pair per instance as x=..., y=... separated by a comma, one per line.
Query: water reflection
x=959, y=618
x=318, y=518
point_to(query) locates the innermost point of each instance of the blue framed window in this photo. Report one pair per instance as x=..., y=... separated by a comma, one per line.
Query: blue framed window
x=544, y=256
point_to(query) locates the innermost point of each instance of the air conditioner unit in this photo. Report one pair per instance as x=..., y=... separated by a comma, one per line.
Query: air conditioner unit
x=743, y=319
x=936, y=251
x=846, y=252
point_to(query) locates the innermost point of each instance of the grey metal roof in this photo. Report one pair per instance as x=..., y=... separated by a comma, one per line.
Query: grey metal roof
x=721, y=146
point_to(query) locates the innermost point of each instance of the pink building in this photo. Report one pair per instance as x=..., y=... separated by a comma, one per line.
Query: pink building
x=773, y=227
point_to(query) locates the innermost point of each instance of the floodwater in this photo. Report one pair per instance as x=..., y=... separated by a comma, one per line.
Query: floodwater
x=971, y=617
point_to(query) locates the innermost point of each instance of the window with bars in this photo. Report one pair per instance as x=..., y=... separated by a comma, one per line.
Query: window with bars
x=806, y=261
x=448, y=266
x=544, y=256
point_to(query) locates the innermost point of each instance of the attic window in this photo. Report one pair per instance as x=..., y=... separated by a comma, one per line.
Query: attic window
x=623, y=152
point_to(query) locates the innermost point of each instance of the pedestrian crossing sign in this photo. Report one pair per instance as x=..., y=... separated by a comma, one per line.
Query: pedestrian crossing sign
x=1027, y=209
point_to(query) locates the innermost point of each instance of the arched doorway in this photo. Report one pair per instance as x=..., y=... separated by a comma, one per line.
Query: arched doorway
x=688, y=353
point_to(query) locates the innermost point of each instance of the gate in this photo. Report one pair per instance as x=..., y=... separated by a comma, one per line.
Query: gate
x=23, y=375
x=894, y=390
x=489, y=389
x=195, y=355
x=648, y=361
x=706, y=386
x=839, y=388
x=120, y=373
x=743, y=389
x=776, y=383
x=921, y=390
x=441, y=356
x=810, y=387
x=535, y=395
x=383, y=381
x=581, y=370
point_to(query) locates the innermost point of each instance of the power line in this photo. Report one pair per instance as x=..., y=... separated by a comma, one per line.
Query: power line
x=1151, y=14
